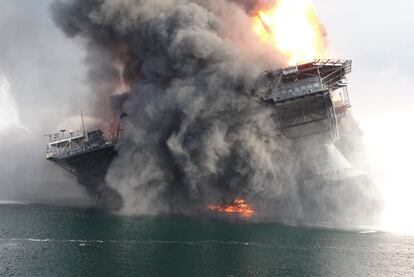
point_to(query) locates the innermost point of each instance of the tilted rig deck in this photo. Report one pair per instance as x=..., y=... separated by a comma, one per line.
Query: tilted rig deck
x=308, y=96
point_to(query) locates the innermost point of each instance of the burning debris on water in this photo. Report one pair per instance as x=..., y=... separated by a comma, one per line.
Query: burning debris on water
x=238, y=207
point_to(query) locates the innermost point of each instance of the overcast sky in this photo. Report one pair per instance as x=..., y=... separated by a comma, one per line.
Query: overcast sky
x=43, y=67
x=46, y=78
x=379, y=37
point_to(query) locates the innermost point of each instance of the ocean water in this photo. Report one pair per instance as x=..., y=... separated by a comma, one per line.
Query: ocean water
x=37, y=240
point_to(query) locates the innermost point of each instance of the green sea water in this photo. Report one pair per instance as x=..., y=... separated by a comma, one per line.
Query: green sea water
x=38, y=240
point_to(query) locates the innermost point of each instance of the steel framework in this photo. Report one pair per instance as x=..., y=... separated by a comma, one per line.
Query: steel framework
x=308, y=96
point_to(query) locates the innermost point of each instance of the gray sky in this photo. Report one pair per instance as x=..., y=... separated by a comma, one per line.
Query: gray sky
x=44, y=68
x=45, y=73
x=379, y=37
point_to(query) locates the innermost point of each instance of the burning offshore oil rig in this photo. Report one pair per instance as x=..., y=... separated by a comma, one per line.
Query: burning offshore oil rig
x=310, y=99
x=194, y=143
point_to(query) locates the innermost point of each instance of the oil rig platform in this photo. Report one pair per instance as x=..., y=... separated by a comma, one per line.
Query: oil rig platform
x=310, y=100
x=87, y=155
x=309, y=97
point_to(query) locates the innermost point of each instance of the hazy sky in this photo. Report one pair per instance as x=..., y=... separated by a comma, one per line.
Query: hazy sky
x=45, y=74
x=45, y=69
x=379, y=37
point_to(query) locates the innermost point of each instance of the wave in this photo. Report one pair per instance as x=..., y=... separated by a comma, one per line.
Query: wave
x=84, y=242
x=14, y=202
x=368, y=232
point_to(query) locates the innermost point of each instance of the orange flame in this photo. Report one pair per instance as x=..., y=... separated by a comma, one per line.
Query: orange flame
x=239, y=207
x=293, y=28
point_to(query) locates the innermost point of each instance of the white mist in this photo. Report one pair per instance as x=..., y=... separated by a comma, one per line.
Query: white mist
x=389, y=139
x=9, y=116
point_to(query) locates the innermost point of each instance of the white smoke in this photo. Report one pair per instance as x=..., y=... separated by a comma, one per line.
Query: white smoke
x=9, y=115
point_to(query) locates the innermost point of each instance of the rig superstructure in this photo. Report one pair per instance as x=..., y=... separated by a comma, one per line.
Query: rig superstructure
x=87, y=155
x=311, y=99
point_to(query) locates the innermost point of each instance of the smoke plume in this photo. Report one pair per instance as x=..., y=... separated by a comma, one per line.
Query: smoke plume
x=194, y=134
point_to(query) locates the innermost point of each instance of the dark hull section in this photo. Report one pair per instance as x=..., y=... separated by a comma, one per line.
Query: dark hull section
x=90, y=169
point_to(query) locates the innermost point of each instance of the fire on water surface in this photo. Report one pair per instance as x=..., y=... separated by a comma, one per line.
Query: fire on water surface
x=293, y=28
x=238, y=207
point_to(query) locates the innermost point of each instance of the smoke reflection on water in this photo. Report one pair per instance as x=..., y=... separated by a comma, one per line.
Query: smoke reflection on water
x=390, y=151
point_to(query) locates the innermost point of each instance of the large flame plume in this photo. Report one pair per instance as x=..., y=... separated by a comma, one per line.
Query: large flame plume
x=293, y=28
x=238, y=207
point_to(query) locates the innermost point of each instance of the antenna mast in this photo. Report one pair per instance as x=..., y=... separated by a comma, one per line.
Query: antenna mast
x=119, y=129
x=83, y=126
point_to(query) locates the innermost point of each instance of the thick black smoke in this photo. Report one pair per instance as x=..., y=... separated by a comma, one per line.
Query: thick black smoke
x=194, y=133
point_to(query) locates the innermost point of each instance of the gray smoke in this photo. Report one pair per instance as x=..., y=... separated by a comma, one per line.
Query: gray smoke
x=194, y=134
